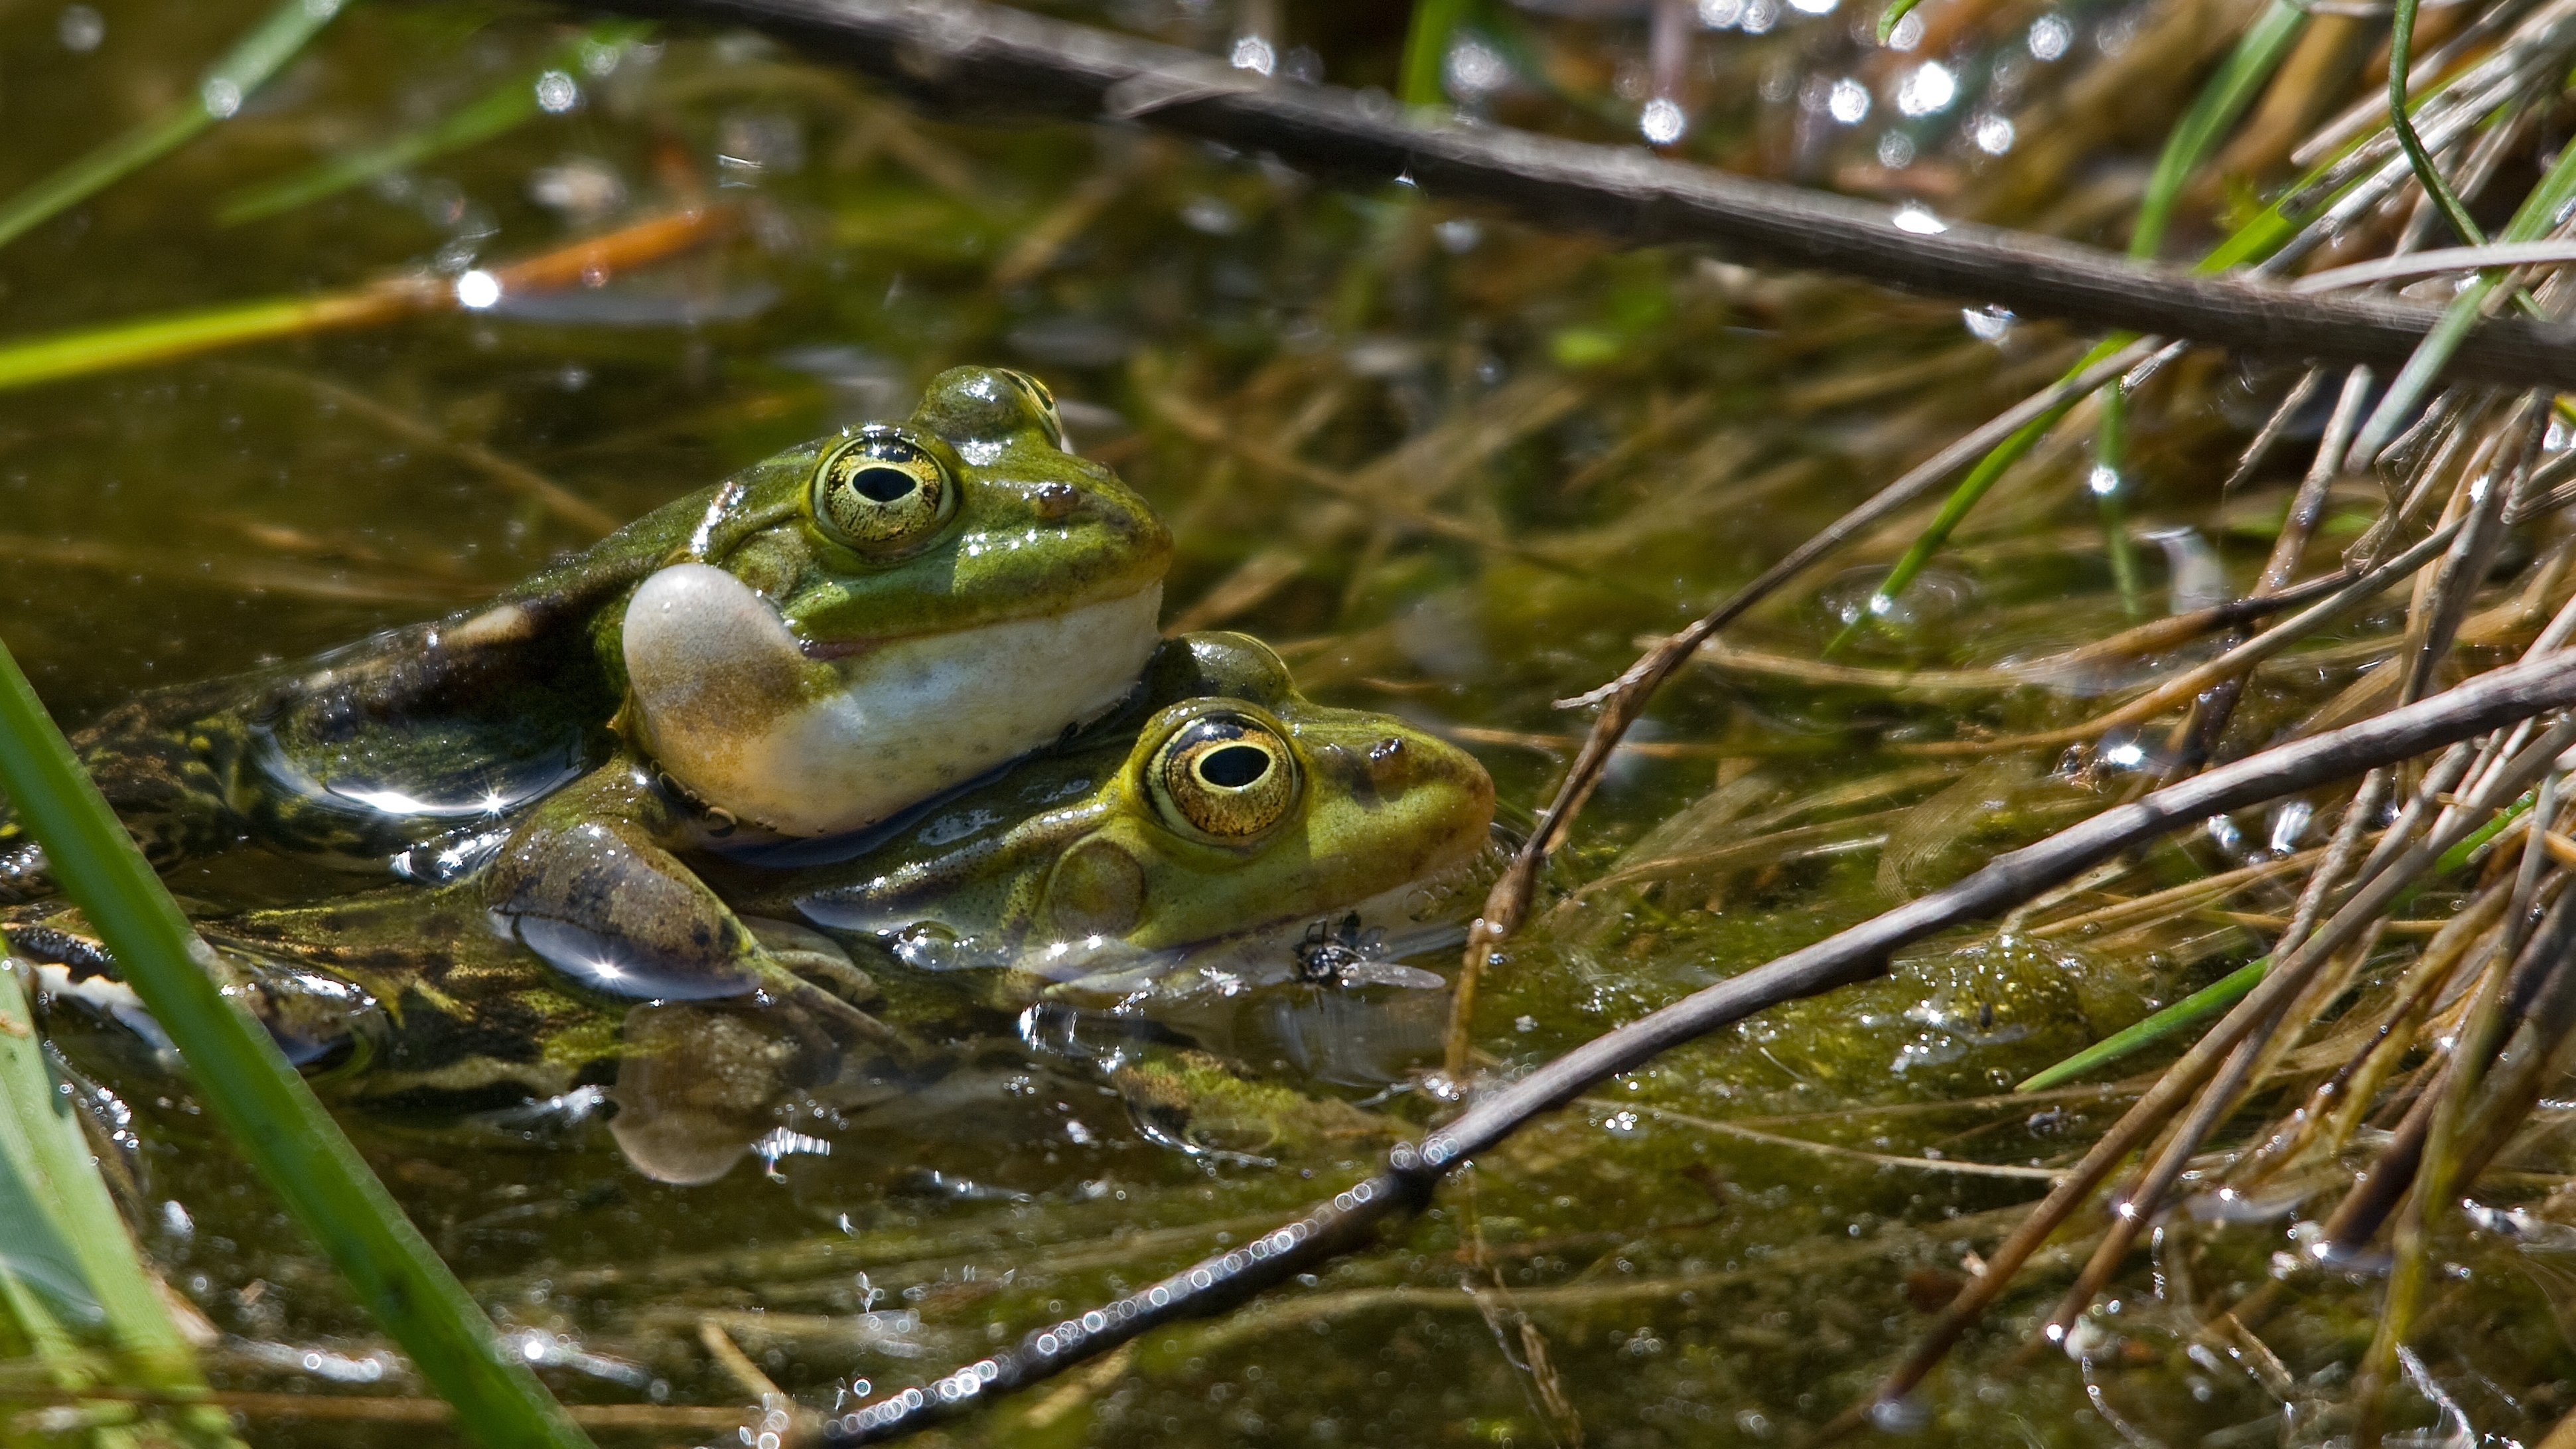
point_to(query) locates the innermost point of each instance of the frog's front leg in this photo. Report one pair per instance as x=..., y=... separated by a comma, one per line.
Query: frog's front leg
x=587, y=883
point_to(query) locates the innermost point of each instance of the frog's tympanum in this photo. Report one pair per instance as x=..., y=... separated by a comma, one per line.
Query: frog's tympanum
x=805, y=649
x=1217, y=802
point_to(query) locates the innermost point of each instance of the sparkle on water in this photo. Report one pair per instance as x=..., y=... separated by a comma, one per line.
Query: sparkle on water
x=1928, y=88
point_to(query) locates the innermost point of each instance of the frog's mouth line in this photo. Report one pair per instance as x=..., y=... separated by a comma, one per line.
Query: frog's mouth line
x=748, y=717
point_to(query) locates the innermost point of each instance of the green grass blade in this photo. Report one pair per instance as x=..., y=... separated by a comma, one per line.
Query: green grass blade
x=2228, y=990
x=60, y=1212
x=175, y=335
x=1893, y=16
x=494, y=113
x=2401, y=44
x=1964, y=498
x=491, y=115
x=219, y=94
x=2457, y=857
x=2110, y=484
x=2198, y=1007
x=1426, y=49
x=2214, y=112
x=2220, y=104
x=2533, y=219
x=271, y=1115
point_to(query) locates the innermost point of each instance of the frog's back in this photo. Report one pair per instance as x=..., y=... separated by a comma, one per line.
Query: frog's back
x=379, y=744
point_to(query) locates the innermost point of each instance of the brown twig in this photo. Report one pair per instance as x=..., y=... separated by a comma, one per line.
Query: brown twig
x=966, y=55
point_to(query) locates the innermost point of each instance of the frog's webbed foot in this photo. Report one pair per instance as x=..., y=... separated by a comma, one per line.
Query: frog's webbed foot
x=813, y=956
x=829, y=984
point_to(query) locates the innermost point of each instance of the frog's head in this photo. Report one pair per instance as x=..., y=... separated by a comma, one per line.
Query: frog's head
x=864, y=621
x=1231, y=814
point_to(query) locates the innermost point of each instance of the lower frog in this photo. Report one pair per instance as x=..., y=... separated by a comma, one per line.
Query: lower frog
x=1219, y=803
x=1216, y=843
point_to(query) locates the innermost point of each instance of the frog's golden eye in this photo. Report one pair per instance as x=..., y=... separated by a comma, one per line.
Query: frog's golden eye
x=1043, y=400
x=882, y=494
x=1224, y=777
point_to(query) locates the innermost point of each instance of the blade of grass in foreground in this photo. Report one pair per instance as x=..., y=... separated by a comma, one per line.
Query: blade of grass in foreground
x=219, y=95
x=267, y=1109
x=61, y=1217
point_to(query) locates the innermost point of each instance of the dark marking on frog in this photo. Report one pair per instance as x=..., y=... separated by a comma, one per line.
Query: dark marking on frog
x=82, y=957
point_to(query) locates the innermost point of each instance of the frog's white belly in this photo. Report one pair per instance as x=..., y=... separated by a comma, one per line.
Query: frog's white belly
x=732, y=708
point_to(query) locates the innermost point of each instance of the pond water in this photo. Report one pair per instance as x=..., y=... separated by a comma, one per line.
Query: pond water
x=1453, y=469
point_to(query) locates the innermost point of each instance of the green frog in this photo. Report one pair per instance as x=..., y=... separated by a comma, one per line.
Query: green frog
x=800, y=651
x=1154, y=858
x=1216, y=808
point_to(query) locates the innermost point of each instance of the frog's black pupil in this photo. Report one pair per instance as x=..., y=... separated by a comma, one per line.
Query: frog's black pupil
x=1235, y=766
x=883, y=483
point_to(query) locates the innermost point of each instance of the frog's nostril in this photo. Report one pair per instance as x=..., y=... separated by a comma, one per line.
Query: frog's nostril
x=1056, y=501
x=1389, y=762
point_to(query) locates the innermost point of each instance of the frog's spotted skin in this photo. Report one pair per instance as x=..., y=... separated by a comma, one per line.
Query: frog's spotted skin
x=822, y=640
x=406, y=996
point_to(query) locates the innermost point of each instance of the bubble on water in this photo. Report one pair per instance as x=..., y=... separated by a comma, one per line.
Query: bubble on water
x=477, y=290
x=1254, y=54
x=1896, y=152
x=1898, y=1416
x=1992, y=133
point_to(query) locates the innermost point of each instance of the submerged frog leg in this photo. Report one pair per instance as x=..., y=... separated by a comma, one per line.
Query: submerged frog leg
x=586, y=882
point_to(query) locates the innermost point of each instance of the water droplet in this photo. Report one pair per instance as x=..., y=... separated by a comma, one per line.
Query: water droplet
x=557, y=92
x=1662, y=122
x=80, y=28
